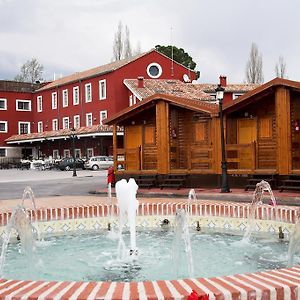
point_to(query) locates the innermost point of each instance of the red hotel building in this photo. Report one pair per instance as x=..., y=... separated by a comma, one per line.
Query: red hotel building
x=37, y=120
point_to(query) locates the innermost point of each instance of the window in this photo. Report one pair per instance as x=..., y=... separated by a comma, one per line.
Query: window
x=102, y=89
x=65, y=98
x=154, y=70
x=40, y=126
x=103, y=116
x=3, y=104
x=90, y=152
x=236, y=95
x=3, y=126
x=130, y=100
x=23, y=105
x=2, y=152
x=55, y=154
x=54, y=100
x=77, y=153
x=67, y=153
x=39, y=104
x=88, y=92
x=75, y=95
x=24, y=127
x=66, y=123
x=54, y=124
x=76, y=121
x=89, y=120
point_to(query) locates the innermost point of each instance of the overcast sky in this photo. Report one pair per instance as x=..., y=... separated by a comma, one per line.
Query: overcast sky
x=67, y=36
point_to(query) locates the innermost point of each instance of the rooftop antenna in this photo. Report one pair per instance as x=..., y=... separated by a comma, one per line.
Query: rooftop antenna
x=172, y=53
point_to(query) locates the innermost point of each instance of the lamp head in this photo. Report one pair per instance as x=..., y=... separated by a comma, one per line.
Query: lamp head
x=219, y=92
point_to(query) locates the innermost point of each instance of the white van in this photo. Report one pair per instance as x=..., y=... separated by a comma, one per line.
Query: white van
x=99, y=162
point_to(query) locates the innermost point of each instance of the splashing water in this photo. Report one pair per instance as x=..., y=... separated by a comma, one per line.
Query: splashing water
x=294, y=245
x=20, y=222
x=261, y=187
x=182, y=234
x=128, y=204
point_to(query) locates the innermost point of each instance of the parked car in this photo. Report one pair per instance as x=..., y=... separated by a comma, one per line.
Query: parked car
x=99, y=162
x=67, y=163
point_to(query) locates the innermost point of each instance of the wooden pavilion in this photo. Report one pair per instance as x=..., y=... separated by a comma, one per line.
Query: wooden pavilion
x=167, y=135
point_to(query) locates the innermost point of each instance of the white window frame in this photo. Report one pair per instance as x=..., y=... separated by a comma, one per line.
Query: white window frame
x=5, y=127
x=5, y=103
x=19, y=127
x=54, y=100
x=236, y=95
x=65, y=98
x=55, y=154
x=88, y=96
x=90, y=152
x=130, y=100
x=102, y=95
x=154, y=64
x=66, y=123
x=89, y=116
x=24, y=101
x=40, y=126
x=54, y=124
x=75, y=95
x=76, y=122
x=77, y=153
x=67, y=153
x=39, y=103
x=101, y=117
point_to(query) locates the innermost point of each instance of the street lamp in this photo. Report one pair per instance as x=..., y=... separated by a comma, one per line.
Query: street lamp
x=224, y=182
x=73, y=137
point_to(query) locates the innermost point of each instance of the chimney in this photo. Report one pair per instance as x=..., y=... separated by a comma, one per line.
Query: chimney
x=141, y=82
x=223, y=80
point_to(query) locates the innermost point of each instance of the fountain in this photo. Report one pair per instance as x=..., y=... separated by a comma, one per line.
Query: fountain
x=26, y=231
x=128, y=204
x=261, y=187
x=182, y=234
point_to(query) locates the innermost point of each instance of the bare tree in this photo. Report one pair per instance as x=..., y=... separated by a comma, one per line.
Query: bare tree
x=137, y=50
x=122, y=46
x=254, y=72
x=31, y=71
x=118, y=43
x=127, y=46
x=280, y=68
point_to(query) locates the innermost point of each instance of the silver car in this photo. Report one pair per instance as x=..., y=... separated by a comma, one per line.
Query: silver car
x=99, y=162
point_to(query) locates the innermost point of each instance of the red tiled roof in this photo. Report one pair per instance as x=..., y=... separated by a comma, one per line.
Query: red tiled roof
x=93, y=72
x=232, y=88
x=61, y=133
x=172, y=87
x=193, y=104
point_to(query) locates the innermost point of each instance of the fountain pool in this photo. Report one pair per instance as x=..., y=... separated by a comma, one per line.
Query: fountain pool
x=93, y=257
x=57, y=225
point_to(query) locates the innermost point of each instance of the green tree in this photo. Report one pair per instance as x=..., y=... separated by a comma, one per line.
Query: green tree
x=178, y=55
x=31, y=71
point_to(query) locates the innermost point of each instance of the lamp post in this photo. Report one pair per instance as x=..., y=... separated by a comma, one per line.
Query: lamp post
x=224, y=182
x=73, y=137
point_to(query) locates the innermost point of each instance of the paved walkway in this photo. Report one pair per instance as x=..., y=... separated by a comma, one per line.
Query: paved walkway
x=152, y=195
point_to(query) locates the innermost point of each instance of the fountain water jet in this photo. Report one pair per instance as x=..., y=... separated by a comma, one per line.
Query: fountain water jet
x=128, y=204
x=261, y=187
x=182, y=234
x=20, y=222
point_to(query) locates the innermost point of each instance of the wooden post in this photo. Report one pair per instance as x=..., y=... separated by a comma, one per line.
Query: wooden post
x=115, y=146
x=283, y=131
x=216, y=145
x=162, y=137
